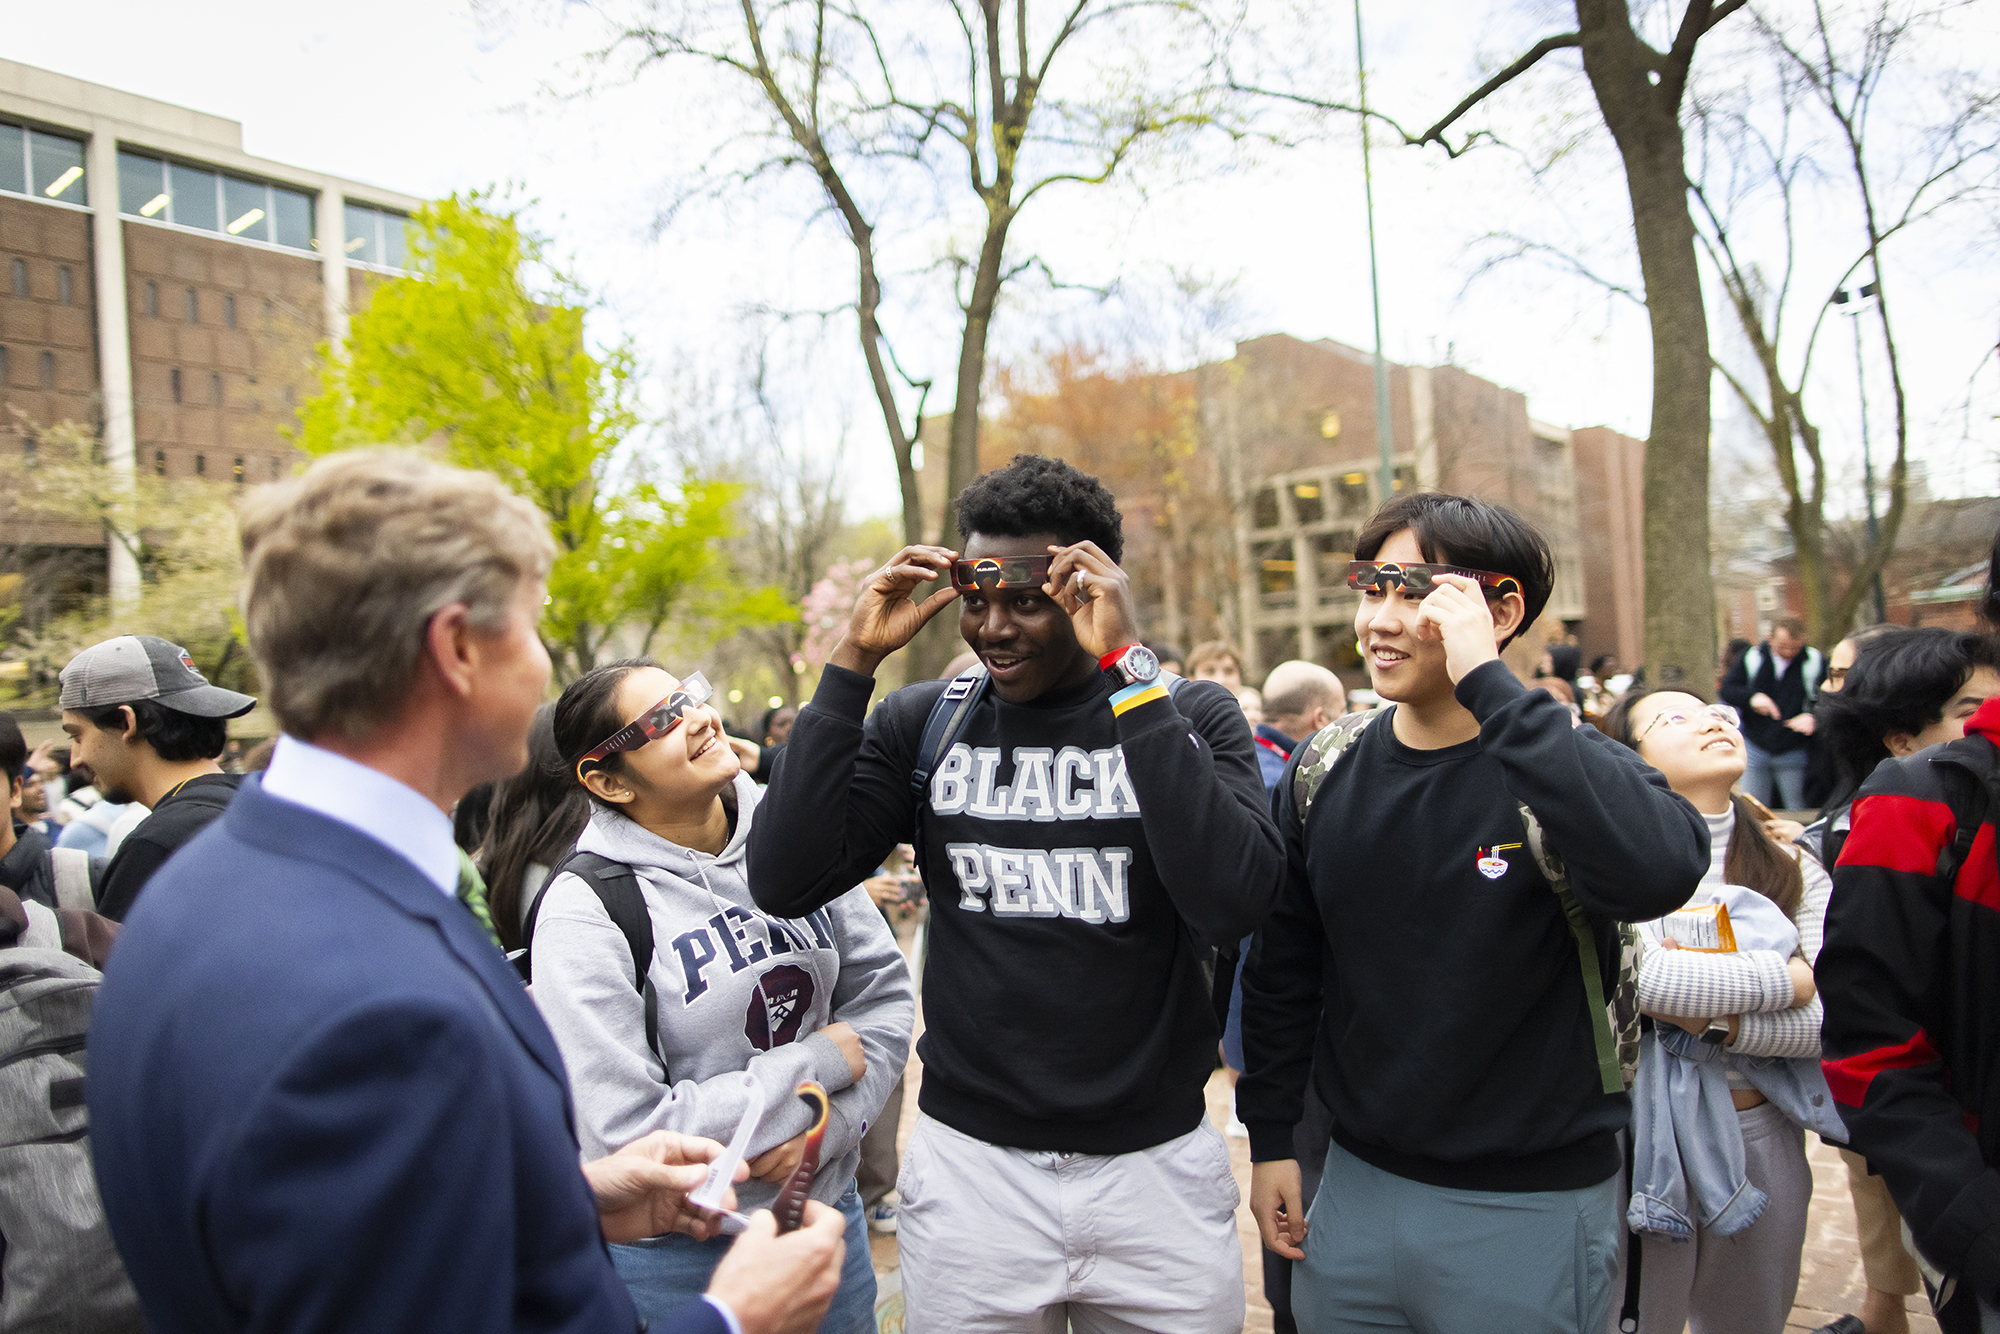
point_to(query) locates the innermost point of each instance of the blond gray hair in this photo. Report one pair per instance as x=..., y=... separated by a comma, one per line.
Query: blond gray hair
x=345, y=565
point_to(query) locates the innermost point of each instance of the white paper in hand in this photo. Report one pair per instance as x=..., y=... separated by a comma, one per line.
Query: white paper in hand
x=708, y=1195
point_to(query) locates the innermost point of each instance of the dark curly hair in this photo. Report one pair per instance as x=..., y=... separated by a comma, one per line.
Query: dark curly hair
x=1037, y=494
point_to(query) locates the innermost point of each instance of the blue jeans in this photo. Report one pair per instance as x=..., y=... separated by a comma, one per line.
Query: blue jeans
x=1778, y=780
x=662, y=1273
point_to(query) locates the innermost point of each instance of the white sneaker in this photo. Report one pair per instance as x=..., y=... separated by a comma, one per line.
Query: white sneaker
x=882, y=1218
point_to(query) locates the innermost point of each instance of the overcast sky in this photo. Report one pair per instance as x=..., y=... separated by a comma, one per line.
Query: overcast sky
x=432, y=96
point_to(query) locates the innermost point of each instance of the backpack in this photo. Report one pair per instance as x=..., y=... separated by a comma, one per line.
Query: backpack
x=58, y=1268
x=1614, y=1019
x=947, y=716
x=617, y=888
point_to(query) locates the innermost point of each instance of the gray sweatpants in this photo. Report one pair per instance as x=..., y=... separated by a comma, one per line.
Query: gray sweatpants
x=1743, y=1284
x=1386, y=1254
x=1018, y=1241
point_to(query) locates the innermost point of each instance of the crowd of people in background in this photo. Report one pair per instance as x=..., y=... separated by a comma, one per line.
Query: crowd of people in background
x=1529, y=987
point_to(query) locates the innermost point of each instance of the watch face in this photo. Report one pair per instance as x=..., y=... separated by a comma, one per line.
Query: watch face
x=1139, y=664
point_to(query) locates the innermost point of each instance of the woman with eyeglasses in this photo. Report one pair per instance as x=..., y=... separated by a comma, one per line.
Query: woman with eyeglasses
x=1755, y=1013
x=729, y=988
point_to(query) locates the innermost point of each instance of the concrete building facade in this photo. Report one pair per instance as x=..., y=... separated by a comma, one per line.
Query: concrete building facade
x=162, y=287
x=1294, y=424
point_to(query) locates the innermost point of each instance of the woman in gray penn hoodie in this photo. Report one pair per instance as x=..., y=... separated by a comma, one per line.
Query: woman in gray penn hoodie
x=825, y=997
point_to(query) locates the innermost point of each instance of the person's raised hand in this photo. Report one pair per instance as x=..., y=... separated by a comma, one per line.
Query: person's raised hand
x=1802, y=723
x=1276, y=1197
x=843, y=1036
x=886, y=616
x=1784, y=831
x=778, y=1162
x=783, y=1285
x=1088, y=585
x=747, y=752
x=1457, y=613
x=42, y=759
x=641, y=1190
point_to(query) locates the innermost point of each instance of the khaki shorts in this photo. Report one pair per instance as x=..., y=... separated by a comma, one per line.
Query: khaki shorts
x=1017, y=1241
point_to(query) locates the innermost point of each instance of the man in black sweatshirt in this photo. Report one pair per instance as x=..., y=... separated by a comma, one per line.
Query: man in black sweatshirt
x=1420, y=965
x=1088, y=837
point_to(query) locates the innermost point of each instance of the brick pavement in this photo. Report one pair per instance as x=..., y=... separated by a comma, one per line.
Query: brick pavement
x=1830, y=1281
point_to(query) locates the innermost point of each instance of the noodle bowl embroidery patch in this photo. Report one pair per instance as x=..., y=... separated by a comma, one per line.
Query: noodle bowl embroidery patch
x=1491, y=864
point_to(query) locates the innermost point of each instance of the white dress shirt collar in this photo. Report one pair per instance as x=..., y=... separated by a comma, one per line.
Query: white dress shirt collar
x=392, y=813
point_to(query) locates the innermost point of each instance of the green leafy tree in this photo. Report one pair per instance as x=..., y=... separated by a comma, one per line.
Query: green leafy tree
x=481, y=353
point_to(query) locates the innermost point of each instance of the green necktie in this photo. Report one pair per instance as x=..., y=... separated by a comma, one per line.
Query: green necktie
x=472, y=893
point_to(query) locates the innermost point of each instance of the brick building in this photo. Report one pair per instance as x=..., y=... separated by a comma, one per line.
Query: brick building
x=164, y=289
x=1244, y=483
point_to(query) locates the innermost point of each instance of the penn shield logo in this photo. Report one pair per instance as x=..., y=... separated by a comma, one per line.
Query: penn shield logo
x=778, y=1007
x=1491, y=864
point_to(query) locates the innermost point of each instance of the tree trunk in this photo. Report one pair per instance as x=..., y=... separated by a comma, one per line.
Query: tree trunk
x=1644, y=120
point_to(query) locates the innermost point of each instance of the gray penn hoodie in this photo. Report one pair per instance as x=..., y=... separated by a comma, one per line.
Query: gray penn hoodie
x=738, y=990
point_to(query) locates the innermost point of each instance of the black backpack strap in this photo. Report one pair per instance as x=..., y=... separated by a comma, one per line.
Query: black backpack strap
x=617, y=888
x=947, y=716
x=1968, y=815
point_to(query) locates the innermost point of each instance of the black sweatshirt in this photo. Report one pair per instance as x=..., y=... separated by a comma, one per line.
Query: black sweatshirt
x=182, y=814
x=1455, y=1046
x=1073, y=858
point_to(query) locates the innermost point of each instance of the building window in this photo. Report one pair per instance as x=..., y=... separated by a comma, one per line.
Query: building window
x=237, y=471
x=1264, y=509
x=63, y=292
x=159, y=463
x=1277, y=572
x=1351, y=492
x=215, y=391
x=1307, y=502
x=20, y=277
x=48, y=370
x=229, y=310
x=152, y=301
x=376, y=236
x=190, y=196
x=201, y=465
x=193, y=306
x=174, y=380
x=42, y=166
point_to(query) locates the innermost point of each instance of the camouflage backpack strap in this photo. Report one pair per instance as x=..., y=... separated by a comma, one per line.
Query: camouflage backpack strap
x=1614, y=1020
x=1317, y=756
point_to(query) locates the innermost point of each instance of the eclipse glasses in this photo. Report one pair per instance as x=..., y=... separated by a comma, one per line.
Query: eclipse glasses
x=651, y=725
x=1368, y=576
x=1012, y=572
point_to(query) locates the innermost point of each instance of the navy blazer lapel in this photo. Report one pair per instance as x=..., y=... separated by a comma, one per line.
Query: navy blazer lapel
x=291, y=830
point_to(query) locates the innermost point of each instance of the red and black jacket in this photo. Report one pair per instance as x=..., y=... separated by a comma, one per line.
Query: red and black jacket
x=1910, y=977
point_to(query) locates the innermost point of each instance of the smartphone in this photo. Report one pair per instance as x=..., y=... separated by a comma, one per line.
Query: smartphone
x=913, y=887
x=1763, y=812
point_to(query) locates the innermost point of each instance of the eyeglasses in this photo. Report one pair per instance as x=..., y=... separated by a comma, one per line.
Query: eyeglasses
x=1714, y=713
x=1836, y=676
x=1367, y=576
x=1014, y=572
x=651, y=725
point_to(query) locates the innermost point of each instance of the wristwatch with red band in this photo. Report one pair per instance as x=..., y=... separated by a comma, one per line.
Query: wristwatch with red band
x=1132, y=665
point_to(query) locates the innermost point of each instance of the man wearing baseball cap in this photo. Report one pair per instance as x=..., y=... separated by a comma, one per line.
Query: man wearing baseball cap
x=150, y=725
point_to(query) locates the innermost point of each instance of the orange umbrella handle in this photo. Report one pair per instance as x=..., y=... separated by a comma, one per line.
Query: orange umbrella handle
x=790, y=1206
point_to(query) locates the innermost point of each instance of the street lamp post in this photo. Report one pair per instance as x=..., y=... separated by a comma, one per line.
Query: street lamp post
x=1385, y=431
x=1853, y=305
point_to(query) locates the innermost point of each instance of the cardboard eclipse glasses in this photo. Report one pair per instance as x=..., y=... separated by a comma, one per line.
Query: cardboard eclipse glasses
x=651, y=725
x=1011, y=572
x=1368, y=576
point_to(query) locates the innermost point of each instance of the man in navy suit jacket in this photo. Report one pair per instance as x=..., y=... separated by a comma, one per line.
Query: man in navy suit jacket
x=320, y=1099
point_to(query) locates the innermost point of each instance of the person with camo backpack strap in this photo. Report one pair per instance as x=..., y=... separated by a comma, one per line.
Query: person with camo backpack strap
x=1446, y=958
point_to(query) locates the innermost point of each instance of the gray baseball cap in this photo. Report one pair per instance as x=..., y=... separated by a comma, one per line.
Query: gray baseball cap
x=135, y=667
